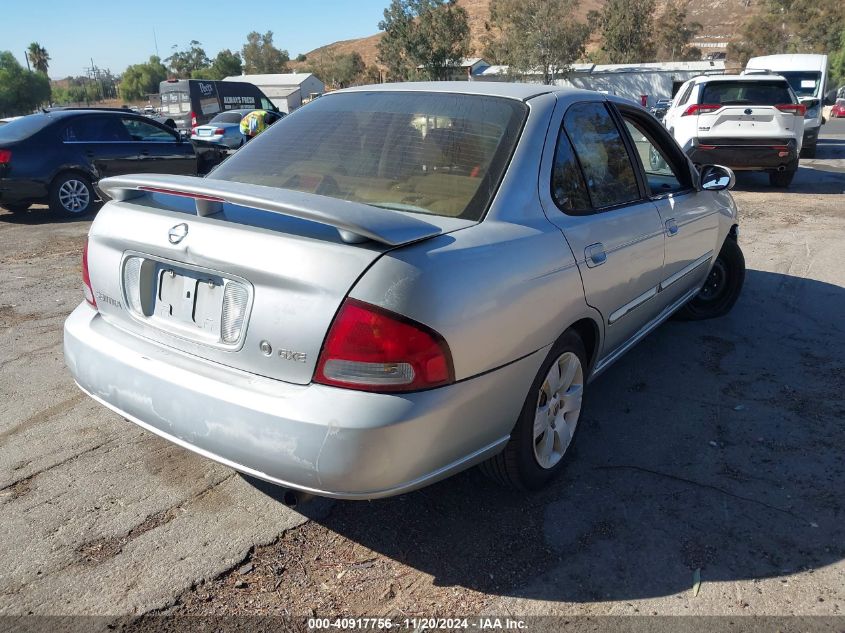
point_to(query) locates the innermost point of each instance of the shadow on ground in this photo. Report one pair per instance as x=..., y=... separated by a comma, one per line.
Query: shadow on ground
x=712, y=445
x=40, y=215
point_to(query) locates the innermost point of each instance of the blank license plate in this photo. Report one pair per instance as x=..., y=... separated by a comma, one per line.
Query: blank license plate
x=192, y=302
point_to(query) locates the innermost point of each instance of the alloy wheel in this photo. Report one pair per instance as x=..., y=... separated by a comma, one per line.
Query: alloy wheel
x=74, y=196
x=558, y=409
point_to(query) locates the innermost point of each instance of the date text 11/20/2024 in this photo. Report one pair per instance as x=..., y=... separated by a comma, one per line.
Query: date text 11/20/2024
x=416, y=624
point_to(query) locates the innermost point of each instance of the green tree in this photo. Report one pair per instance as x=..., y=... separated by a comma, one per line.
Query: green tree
x=226, y=64
x=338, y=71
x=139, y=80
x=38, y=57
x=261, y=56
x=674, y=34
x=626, y=30
x=423, y=37
x=837, y=64
x=531, y=35
x=21, y=90
x=182, y=63
x=791, y=26
x=301, y=57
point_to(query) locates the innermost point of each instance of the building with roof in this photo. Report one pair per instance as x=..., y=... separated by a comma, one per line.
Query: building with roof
x=286, y=90
x=657, y=80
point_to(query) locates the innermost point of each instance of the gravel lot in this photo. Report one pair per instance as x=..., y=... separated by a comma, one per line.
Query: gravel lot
x=712, y=446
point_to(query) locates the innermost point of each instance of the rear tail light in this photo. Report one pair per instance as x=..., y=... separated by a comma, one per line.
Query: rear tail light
x=706, y=147
x=86, y=278
x=372, y=349
x=193, y=121
x=5, y=156
x=797, y=109
x=701, y=108
x=219, y=131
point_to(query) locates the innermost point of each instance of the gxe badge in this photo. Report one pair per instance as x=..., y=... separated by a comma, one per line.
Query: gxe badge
x=177, y=233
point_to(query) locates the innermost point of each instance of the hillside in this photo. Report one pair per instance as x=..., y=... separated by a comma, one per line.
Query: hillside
x=721, y=20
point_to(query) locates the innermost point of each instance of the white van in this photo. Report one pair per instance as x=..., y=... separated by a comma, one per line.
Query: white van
x=807, y=75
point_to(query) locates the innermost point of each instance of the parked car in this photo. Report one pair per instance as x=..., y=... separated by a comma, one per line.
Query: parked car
x=369, y=296
x=749, y=122
x=57, y=157
x=660, y=107
x=838, y=109
x=224, y=128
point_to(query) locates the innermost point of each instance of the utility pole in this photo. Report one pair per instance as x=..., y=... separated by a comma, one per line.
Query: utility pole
x=26, y=57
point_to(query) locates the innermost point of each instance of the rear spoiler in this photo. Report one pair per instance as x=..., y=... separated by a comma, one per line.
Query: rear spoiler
x=355, y=221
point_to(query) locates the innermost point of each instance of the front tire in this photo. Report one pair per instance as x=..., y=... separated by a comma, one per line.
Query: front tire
x=72, y=195
x=541, y=441
x=722, y=287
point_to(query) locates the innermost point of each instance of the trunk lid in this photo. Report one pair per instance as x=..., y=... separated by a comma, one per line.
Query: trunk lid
x=749, y=121
x=162, y=271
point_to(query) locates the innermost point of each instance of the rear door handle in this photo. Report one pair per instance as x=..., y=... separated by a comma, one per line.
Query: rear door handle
x=145, y=153
x=595, y=255
x=671, y=227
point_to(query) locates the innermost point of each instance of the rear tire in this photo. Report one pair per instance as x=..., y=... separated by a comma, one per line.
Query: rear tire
x=781, y=178
x=17, y=207
x=722, y=287
x=72, y=195
x=808, y=152
x=541, y=443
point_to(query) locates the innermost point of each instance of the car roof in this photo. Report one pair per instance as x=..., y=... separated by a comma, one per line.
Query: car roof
x=519, y=91
x=750, y=77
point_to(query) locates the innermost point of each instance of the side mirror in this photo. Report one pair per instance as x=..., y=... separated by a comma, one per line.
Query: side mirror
x=811, y=103
x=717, y=178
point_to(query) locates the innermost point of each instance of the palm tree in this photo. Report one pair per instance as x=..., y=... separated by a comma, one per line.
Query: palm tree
x=38, y=57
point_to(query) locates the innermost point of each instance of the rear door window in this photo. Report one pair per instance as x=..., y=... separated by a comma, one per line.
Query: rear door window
x=746, y=93
x=568, y=189
x=605, y=163
x=95, y=129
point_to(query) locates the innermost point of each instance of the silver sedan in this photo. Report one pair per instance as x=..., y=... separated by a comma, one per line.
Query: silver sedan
x=399, y=282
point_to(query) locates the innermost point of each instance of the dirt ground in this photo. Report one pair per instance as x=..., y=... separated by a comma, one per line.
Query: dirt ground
x=711, y=450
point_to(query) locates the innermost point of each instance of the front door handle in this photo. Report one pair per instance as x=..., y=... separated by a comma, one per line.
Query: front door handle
x=595, y=255
x=671, y=227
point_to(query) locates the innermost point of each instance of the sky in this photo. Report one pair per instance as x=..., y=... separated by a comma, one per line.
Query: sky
x=117, y=33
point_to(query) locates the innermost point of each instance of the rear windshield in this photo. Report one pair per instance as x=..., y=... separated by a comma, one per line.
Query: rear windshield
x=24, y=127
x=435, y=153
x=747, y=93
x=228, y=117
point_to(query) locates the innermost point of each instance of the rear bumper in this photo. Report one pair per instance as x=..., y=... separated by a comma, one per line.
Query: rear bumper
x=326, y=441
x=746, y=154
x=15, y=190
